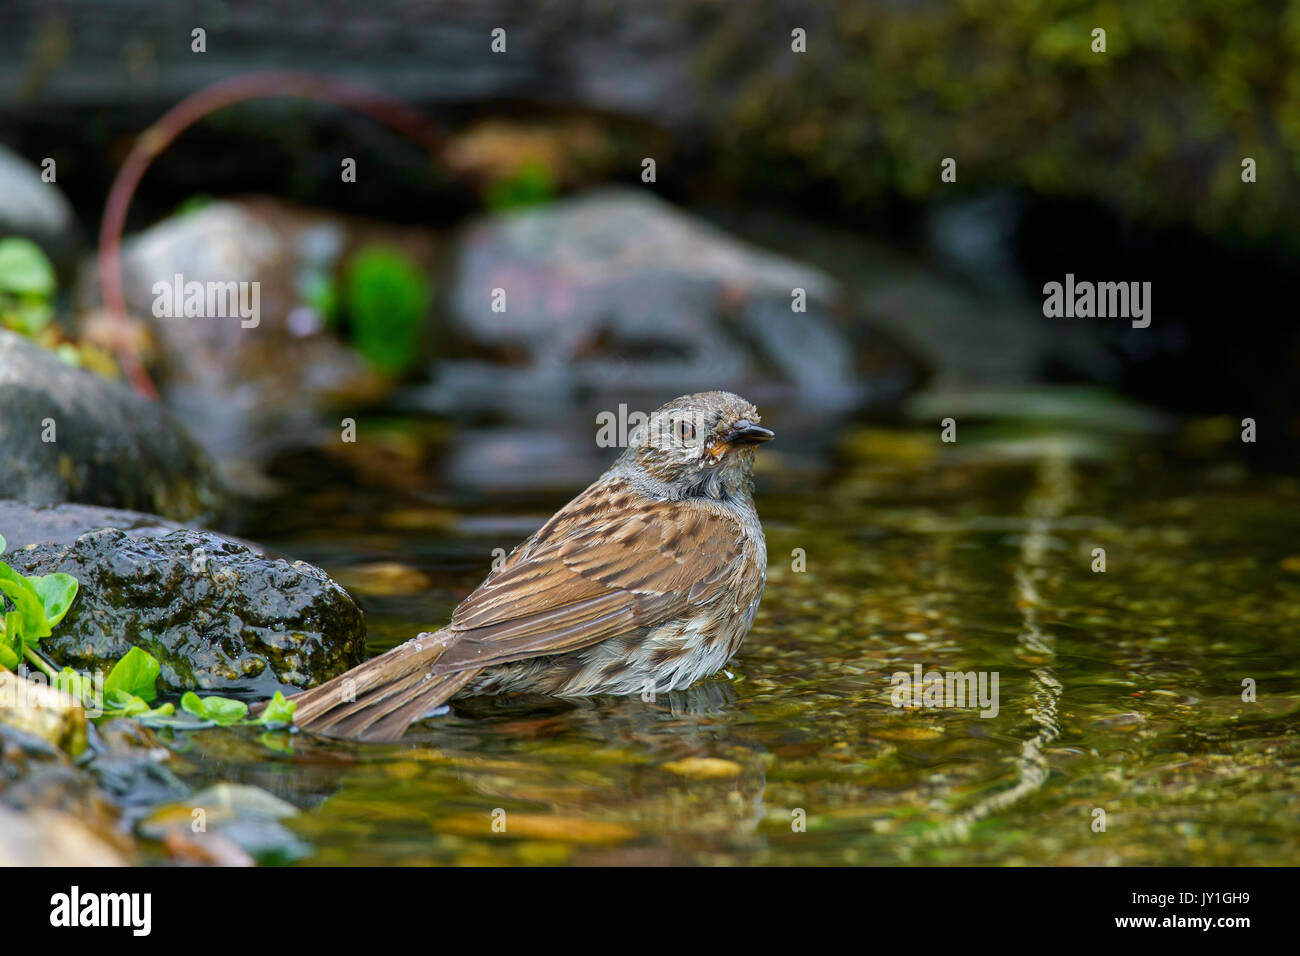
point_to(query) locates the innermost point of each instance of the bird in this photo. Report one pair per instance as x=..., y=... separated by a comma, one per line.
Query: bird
x=645, y=582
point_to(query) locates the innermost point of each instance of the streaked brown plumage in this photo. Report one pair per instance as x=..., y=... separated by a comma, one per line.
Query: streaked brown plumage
x=648, y=579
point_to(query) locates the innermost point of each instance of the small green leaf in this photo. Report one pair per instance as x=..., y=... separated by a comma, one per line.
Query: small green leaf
x=278, y=710
x=221, y=710
x=2, y=544
x=57, y=592
x=134, y=674
x=24, y=269
x=27, y=602
x=224, y=710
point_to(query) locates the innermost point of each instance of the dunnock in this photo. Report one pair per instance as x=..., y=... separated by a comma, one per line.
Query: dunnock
x=649, y=579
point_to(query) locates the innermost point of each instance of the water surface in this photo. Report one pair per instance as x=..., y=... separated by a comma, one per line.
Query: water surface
x=1120, y=691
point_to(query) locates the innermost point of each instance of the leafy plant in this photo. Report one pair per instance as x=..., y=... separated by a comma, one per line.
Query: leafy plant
x=27, y=286
x=387, y=298
x=39, y=603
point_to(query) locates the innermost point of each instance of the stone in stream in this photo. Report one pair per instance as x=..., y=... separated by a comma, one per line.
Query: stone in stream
x=245, y=816
x=51, y=811
x=71, y=435
x=251, y=386
x=616, y=291
x=218, y=615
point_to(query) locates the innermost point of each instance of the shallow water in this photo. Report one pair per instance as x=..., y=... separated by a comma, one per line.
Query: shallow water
x=1119, y=691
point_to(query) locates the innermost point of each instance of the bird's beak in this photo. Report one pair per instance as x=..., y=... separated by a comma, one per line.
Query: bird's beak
x=745, y=432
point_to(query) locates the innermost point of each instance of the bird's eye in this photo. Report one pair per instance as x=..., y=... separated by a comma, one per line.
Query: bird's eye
x=685, y=430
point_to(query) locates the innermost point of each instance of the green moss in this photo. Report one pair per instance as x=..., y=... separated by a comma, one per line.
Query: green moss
x=1155, y=127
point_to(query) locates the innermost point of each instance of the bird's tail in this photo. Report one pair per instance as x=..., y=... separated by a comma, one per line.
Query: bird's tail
x=379, y=699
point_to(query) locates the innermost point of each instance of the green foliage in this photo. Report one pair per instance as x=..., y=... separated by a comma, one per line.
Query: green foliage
x=279, y=710
x=27, y=623
x=38, y=604
x=529, y=185
x=1155, y=127
x=134, y=674
x=57, y=592
x=387, y=299
x=27, y=287
x=219, y=710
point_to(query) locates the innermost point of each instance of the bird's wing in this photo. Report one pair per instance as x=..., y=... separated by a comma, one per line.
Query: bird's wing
x=608, y=562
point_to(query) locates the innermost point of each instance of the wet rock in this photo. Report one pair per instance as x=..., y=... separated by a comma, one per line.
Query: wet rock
x=130, y=766
x=110, y=447
x=252, y=386
x=618, y=291
x=966, y=335
x=216, y=614
x=35, y=209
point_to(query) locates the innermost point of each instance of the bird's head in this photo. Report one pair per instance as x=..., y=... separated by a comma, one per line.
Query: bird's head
x=701, y=444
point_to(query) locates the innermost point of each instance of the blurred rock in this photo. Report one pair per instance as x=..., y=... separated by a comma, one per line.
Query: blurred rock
x=617, y=291
x=236, y=817
x=130, y=766
x=23, y=524
x=967, y=334
x=110, y=446
x=52, y=838
x=41, y=711
x=249, y=392
x=51, y=812
x=36, y=209
x=217, y=615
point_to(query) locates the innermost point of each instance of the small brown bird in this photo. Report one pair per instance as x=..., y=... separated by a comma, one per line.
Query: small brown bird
x=649, y=579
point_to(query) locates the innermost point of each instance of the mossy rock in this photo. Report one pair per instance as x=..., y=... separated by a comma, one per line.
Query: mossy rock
x=216, y=614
